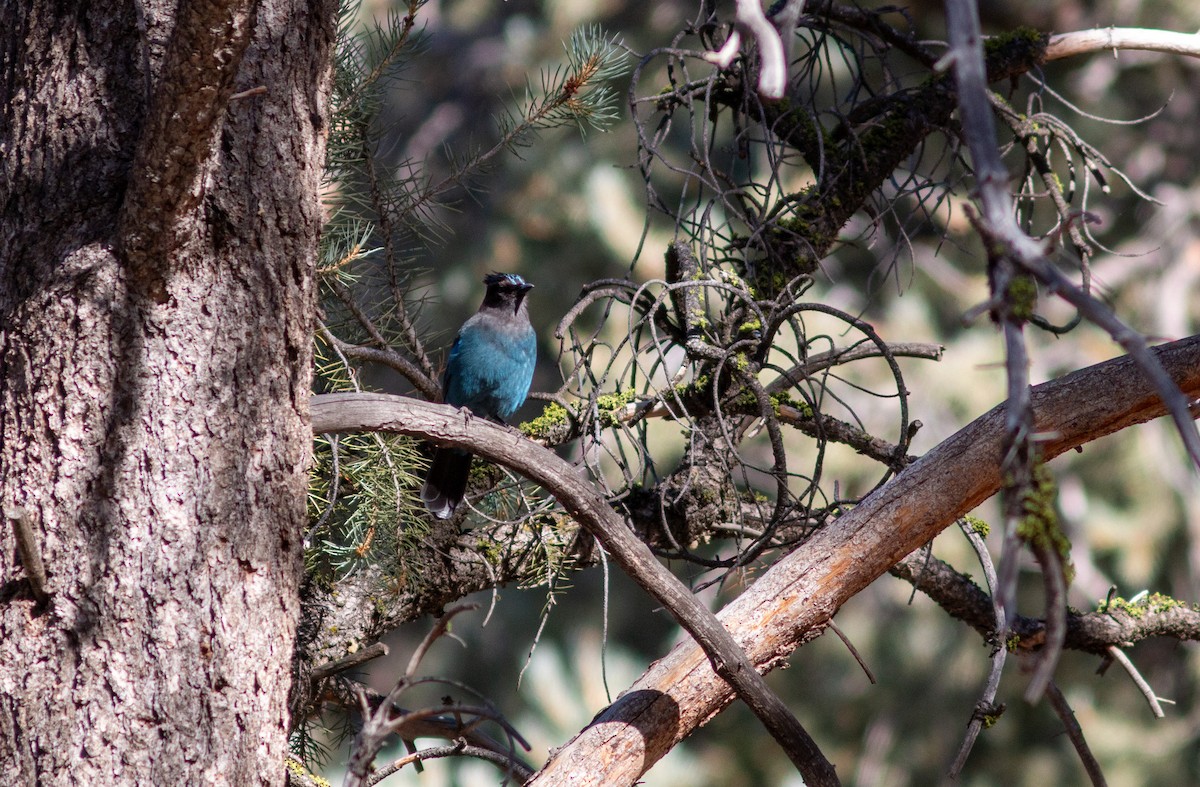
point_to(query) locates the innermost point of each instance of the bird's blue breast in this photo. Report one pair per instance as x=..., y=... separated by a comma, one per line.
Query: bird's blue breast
x=490, y=366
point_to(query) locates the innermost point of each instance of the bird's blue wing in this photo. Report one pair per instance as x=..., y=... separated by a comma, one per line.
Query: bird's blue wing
x=489, y=369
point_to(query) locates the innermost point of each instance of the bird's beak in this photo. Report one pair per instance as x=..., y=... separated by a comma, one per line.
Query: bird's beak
x=522, y=291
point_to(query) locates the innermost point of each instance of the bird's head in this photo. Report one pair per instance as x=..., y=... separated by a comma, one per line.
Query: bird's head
x=505, y=290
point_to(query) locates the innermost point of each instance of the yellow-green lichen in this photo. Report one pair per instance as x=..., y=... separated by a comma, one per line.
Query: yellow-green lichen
x=611, y=405
x=1139, y=607
x=297, y=767
x=731, y=278
x=781, y=399
x=977, y=525
x=1022, y=297
x=491, y=552
x=748, y=400
x=1040, y=525
x=697, y=387
x=553, y=417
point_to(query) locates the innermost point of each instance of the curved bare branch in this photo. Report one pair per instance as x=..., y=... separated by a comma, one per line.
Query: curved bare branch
x=447, y=426
x=791, y=601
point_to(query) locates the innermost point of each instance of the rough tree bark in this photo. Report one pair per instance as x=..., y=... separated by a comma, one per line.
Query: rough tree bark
x=157, y=249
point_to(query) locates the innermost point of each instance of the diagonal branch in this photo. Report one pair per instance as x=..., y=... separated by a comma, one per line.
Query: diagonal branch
x=1075, y=734
x=786, y=606
x=789, y=603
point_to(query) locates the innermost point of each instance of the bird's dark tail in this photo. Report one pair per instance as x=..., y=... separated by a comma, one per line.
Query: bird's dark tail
x=447, y=481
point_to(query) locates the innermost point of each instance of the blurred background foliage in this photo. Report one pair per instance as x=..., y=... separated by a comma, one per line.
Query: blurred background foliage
x=566, y=208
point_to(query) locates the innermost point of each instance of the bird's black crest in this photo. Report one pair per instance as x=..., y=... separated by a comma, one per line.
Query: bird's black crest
x=506, y=281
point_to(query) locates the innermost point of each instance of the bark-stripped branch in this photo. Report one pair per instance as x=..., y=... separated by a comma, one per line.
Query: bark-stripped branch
x=1112, y=39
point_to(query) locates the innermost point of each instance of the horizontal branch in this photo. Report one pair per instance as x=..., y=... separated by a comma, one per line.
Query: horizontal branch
x=1112, y=39
x=1090, y=632
x=384, y=355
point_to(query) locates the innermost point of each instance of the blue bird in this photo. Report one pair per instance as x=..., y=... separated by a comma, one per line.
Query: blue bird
x=489, y=371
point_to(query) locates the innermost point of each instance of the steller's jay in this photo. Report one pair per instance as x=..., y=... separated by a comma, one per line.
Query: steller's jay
x=489, y=371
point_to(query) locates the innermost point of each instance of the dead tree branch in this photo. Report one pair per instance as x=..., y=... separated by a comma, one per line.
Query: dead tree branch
x=790, y=602
x=450, y=427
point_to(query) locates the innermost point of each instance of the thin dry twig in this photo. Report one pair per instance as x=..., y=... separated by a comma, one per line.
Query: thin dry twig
x=985, y=714
x=356, y=659
x=1119, y=656
x=853, y=651
x=460, y=748
x=426, y=723
x=986, y=710
x=387, y=720
x=1059, y=702
x=1055, y=585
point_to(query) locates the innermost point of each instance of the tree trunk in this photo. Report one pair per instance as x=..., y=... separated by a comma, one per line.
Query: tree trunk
x=157, y=254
